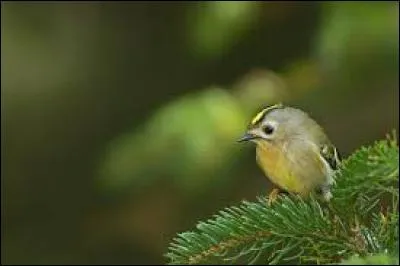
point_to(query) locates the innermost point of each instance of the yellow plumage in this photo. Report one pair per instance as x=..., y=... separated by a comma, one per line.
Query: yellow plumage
x=286, y=171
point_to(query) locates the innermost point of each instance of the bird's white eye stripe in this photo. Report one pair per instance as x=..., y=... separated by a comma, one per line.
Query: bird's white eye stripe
x=268, y=129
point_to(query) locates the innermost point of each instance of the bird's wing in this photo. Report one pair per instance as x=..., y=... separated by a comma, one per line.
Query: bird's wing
x=331, y=155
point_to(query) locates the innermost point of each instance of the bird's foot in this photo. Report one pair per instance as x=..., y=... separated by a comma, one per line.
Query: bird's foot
x=273, y=196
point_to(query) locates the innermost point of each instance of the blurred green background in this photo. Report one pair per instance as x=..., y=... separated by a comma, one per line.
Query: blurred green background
x=119, y=120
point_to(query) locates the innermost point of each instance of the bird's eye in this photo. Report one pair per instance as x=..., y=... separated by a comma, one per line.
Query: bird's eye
x=268, y=129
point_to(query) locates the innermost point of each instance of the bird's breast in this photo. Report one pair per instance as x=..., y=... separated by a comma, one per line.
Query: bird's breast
x=287, y=168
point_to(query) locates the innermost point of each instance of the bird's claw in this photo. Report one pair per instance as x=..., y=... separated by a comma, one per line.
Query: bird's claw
x=273, y=196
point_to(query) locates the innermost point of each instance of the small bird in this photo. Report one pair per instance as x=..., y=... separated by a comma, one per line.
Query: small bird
x=293, y=151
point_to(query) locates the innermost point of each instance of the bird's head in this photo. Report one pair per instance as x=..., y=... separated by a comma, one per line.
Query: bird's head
x=278, y=123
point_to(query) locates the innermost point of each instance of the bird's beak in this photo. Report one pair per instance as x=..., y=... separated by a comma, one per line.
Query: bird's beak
x=246, y=137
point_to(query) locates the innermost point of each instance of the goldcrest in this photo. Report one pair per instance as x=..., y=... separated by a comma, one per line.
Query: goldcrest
x=293, y=151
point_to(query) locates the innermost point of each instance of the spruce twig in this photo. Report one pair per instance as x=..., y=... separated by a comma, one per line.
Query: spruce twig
x=361, y=219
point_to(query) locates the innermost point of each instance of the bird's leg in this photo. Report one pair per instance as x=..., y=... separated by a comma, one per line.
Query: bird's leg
x=273, y=195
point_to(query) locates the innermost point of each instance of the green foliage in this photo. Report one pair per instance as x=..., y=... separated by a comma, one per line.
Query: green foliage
x=354, y=64
x=177, y=143
x=380, y=259
x=361, y=220
x=216, y=26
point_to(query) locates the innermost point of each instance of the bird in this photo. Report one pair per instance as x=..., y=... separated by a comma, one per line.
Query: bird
x=293, y=151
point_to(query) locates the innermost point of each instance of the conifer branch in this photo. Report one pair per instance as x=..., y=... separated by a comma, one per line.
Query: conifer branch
x=361, y=219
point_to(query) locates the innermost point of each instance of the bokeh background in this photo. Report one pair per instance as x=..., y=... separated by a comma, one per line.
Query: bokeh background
x=119, y=119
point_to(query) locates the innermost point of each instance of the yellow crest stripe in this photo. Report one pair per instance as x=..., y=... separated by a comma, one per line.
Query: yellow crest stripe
x=259, y=116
